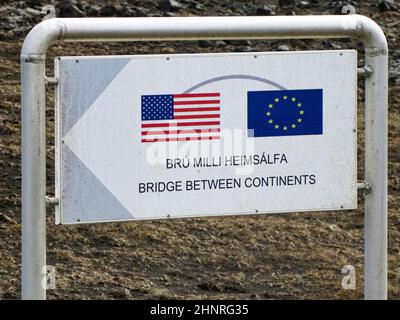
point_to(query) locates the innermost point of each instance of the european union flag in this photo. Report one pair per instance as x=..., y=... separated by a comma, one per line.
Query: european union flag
x=284, y=112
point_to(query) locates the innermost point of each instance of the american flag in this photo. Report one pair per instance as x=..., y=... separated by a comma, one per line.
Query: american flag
x=180, y=117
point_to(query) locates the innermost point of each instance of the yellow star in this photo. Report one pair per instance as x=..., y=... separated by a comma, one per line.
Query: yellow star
x=293, y=99
x=276, y=99
x=270, y=105
x=301, y=111
x=299, y=104
x=299, y=120
x=271, y=121
x=284, y=97
x=268, y=113
x=284, y=128
x=276, y=126
x=293, y=126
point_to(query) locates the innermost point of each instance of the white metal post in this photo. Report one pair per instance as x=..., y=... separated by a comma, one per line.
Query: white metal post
x=34, y=180
x=34, y=161
x=195, y=28
x=375, y=220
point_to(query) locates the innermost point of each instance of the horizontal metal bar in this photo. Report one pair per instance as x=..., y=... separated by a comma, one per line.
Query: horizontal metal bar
x=51, y=81
x=196, y=28
x=365, y=71
x=366, y=187
x=52, y=200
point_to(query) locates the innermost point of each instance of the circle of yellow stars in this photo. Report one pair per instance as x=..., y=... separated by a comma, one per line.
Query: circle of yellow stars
x=292, y=125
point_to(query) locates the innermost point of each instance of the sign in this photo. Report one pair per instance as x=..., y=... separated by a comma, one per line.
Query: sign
x=157, y=136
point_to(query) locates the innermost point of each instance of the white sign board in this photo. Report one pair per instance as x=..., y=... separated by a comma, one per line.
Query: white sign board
x=156, y=136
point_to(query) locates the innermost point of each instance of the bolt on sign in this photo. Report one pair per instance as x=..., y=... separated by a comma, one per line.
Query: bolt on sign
x=156, y=136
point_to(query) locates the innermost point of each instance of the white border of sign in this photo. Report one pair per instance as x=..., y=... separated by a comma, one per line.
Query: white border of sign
x=33, y=82
x=74, y=169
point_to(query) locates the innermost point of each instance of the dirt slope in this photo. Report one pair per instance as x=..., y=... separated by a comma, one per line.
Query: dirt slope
x=258, y=257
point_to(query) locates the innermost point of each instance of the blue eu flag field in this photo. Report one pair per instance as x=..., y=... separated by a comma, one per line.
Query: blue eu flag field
x=284, y=112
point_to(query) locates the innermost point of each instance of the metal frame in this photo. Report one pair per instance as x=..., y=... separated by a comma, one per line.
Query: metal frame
x=33, y=82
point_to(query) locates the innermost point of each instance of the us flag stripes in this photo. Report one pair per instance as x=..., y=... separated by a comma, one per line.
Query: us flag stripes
x=180, y=117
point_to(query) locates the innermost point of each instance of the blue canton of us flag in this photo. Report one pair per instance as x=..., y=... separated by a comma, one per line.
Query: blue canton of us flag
x=158, y=107
x=284, y=112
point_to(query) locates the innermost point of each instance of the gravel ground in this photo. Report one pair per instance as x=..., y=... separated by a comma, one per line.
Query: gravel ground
x=287, y=256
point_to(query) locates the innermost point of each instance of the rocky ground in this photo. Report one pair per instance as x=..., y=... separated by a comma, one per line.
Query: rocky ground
x=288, y=256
